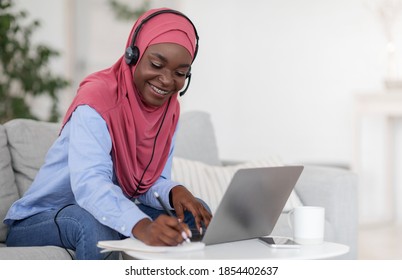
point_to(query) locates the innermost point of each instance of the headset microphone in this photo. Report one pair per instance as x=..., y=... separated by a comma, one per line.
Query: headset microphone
x=188, y=83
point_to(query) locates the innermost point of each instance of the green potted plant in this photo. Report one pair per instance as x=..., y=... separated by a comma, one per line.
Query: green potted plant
x=24, y=66
x=127, y=13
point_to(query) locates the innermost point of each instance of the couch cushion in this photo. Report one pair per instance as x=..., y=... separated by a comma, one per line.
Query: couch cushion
x=210, y=182
x=29, y=141
x=34, y=253
x=8, y=189
x=195, y=138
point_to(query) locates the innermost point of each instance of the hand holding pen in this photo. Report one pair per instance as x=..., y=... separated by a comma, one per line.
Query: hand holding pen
x=165, y=208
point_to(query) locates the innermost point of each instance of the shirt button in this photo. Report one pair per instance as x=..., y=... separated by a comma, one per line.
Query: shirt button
x=103, y=218
x=123, y=228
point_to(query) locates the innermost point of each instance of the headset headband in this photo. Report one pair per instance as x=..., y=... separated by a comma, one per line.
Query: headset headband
x=132, y=53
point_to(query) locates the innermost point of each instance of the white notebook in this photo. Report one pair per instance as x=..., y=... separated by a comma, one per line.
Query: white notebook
x=130, y=244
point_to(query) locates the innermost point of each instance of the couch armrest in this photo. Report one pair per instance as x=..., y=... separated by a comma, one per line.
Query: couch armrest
x=334, y=189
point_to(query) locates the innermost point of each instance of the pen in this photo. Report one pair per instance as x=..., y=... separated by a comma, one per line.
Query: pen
x=183, y=233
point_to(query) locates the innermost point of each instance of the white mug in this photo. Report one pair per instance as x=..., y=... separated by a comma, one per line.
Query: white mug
x=307, y=223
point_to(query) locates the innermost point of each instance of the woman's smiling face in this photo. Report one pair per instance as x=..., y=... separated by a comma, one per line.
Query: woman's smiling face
x=162, y=72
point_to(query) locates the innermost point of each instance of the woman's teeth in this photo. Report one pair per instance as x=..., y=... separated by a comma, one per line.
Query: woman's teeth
x=159, y=91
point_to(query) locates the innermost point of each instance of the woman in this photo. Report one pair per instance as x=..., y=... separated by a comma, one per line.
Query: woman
x=115, y=147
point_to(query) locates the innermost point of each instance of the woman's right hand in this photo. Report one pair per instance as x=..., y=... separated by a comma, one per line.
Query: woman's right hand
x=164, y=231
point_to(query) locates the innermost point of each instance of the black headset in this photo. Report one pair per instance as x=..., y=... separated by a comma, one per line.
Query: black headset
x=132, y=53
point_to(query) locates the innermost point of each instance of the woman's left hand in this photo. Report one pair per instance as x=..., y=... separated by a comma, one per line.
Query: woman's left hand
x=183, y=200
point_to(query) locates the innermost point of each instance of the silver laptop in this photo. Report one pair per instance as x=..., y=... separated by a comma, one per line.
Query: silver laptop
x=252, y=204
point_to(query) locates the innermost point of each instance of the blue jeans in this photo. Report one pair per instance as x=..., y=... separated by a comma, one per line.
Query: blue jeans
x=76, y=229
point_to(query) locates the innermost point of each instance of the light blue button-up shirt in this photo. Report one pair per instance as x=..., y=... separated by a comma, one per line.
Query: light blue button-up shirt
x=79, y=169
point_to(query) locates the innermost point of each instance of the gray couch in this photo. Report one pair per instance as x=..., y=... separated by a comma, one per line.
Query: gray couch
x=23, y=144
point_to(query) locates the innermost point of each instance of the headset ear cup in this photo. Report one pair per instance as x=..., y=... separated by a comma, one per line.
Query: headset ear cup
x=131, y=55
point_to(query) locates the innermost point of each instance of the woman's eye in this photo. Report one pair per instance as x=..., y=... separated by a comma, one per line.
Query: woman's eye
x=156, y=65
x=180, y=74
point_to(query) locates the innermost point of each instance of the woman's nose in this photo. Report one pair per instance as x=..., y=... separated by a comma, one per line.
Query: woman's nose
x=166, y=77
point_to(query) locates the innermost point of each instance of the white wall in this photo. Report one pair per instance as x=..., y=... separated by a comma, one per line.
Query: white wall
x=277, y=76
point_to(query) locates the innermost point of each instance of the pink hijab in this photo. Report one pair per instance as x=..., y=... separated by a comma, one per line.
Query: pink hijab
x=132, y=124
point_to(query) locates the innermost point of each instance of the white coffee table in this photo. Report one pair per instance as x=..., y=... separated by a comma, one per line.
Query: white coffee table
x=248, y=249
